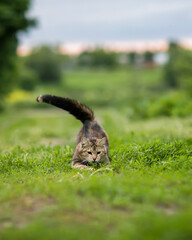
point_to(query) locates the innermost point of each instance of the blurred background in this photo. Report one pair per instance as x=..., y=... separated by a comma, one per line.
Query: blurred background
x=124, y=58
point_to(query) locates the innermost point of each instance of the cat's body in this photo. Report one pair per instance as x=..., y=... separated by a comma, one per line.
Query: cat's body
x=92, y=141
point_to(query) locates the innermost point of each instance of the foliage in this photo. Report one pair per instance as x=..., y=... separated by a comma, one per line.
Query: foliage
x=12, y=20
x=138, y=93
x=46, y=63
x=18, y=96
x=171, y=104
x=27, y=78
x=97, y=58
x=148, y=56
x=132, y=57
x=178, y=71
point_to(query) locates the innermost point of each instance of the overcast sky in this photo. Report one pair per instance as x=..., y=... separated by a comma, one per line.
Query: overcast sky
x=101, y=21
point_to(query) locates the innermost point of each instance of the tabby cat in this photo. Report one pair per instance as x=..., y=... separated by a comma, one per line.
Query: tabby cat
x=92, y=144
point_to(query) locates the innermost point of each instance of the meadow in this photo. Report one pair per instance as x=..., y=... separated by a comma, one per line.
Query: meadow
x=145, y=193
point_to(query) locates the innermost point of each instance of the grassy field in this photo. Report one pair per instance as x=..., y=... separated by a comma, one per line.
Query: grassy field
x=145, y=194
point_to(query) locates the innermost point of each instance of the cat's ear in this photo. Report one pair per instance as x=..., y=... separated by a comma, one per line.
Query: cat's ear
x=84, y=141
x=102, y=141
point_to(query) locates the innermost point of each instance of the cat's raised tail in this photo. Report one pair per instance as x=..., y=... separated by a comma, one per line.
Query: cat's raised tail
x=77, y=109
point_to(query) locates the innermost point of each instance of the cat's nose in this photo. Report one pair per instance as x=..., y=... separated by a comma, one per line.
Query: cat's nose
x=94, y=158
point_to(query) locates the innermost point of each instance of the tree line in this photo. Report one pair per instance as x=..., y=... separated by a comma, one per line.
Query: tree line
x=46, y=65
x=13, y=20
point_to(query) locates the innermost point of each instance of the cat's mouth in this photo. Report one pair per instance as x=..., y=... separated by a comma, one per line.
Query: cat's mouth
x=85, y=162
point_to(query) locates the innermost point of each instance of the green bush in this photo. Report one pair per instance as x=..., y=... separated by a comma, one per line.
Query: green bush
x=98, y=58
x=172, y=104
x=46, y=63
x=28, y=80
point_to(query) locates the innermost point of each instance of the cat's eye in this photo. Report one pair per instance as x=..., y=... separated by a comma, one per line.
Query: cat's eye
x=90, y=153
x=98, y=152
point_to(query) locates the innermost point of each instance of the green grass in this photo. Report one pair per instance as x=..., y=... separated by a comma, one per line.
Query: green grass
x=144, y=194
x=99, y=87
x=140, y=93
x=146, y=191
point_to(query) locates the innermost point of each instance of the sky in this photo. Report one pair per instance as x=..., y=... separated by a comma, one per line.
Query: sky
x=100, y=21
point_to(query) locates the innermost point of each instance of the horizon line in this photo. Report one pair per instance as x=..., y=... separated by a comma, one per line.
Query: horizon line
x=140, y=46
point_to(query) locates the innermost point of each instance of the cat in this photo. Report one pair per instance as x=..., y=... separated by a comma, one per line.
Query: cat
x=92, y=145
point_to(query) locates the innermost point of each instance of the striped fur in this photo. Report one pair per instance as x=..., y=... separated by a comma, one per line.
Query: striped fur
x=92, y=141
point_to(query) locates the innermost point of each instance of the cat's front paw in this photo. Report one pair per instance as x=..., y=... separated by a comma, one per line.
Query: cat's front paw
x=90, y=168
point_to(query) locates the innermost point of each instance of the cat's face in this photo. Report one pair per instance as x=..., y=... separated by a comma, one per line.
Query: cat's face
x=93, y=150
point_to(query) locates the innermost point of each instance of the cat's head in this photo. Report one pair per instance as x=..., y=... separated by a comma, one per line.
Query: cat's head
x=93, y=149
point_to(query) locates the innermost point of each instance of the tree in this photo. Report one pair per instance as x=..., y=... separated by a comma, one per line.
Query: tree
x=98, y=58
x=46, y=63
x=171, y=77
x=132, y=58
x=85, y=59
x=12, y=20
x=101, y=58
x=148, y=56
x=178, y=71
